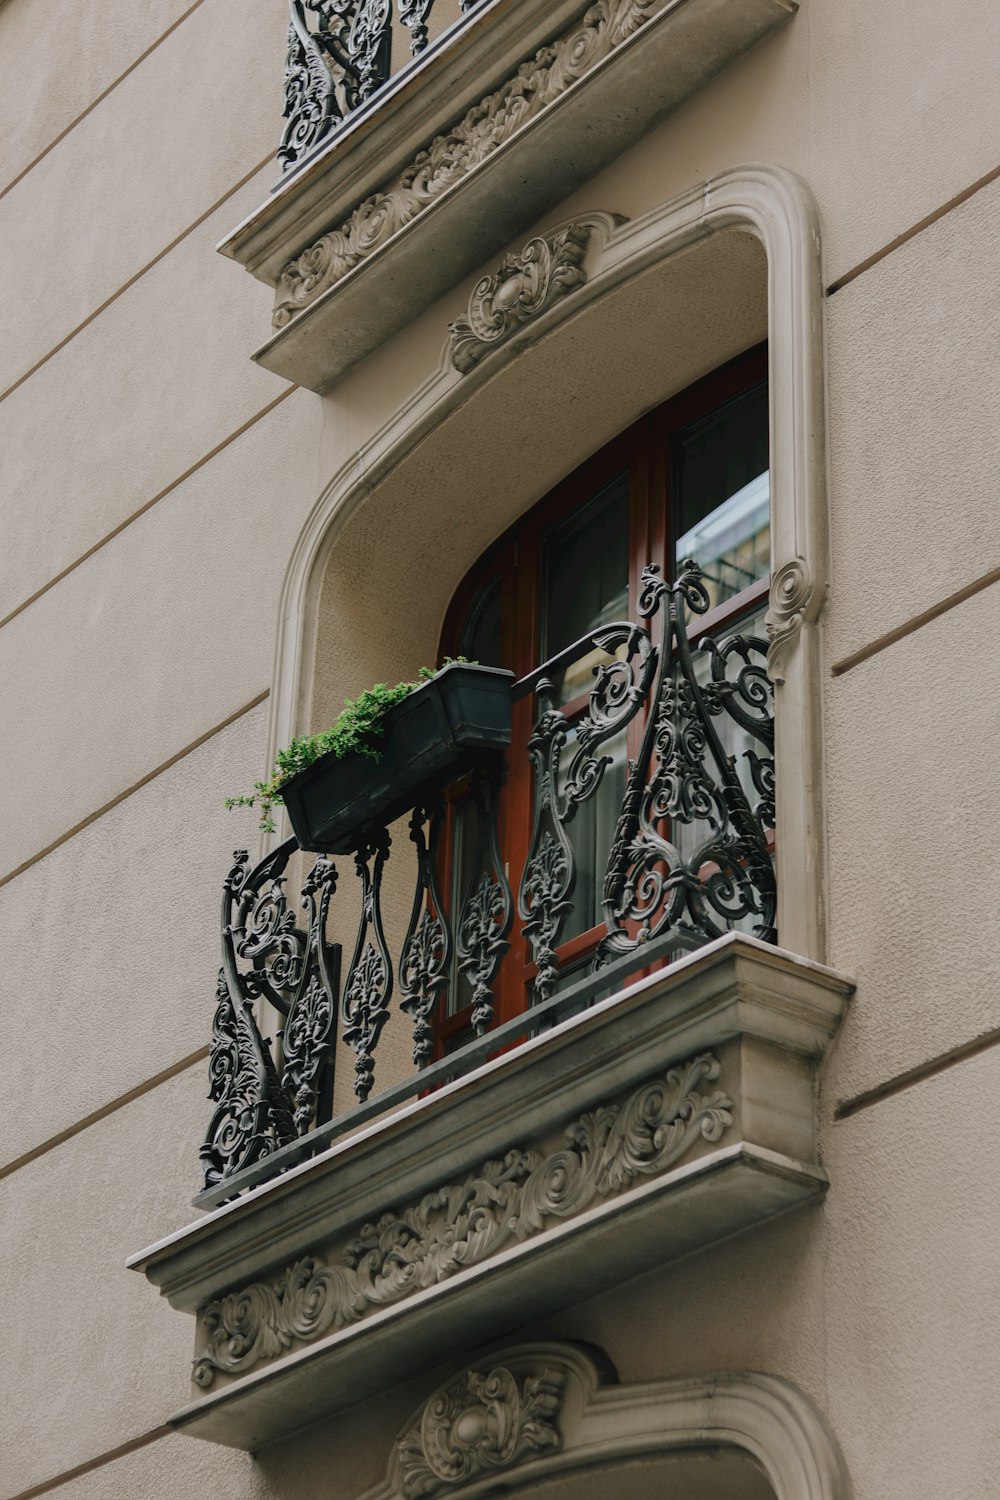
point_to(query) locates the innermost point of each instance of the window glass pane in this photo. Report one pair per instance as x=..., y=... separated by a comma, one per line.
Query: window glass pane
x=722, y=491
x=584, y=572
x=481, y=638
x=465, y=862
x=591, y=834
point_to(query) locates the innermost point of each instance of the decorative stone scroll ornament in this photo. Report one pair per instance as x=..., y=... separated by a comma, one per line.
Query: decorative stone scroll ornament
x=491, y=122
x=481, y=1423
x=603, y=1153
x=788, y=602
x=524, y=286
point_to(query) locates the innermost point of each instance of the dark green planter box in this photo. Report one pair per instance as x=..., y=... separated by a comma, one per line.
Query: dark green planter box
x=440, y=731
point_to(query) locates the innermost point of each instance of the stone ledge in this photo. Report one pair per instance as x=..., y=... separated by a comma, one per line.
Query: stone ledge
x=374, y=250
x=509, y=1194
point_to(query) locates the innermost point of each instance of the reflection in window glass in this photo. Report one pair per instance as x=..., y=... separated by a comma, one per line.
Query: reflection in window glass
x=585, y=578
x=737, y=743
x=723, y=495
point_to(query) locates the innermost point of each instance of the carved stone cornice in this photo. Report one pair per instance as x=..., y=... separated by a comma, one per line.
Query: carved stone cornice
x=536, y=84
x=482, y=1423
x=549, y=267
x=603, y=1153
x=606, y=1156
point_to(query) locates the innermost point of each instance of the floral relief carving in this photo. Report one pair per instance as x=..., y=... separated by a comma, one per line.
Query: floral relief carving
x=481, y=1423
x=461, y=1224
x=449, y=157
x=524, y=286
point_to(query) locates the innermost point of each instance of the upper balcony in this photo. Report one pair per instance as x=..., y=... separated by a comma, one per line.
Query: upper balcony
x=657, y=1094
x=421, y=137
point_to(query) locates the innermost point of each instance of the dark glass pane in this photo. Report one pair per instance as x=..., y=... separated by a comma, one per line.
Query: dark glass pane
x=482, y=638
x=585, y=569
x=722, y=491
x=591, y=834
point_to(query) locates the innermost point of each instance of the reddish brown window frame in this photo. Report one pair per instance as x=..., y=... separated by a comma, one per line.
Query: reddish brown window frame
x=644, y=450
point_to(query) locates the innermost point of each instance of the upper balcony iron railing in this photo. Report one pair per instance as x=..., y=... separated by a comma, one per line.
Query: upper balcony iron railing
x=690, y=858
x=340, y=53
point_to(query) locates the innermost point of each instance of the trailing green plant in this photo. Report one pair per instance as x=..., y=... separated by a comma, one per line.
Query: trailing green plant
x=357, y=730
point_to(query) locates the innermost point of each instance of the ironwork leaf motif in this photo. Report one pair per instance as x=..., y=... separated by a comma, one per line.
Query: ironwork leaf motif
x=368, y=988
x=487, y=911
x=425, y=957
x=253, y=1114
x=684, y=777
x=310, y=1032
x=621, y=685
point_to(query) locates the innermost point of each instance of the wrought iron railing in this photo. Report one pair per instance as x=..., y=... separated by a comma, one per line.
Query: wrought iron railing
x=690, y=858
x=339, y=56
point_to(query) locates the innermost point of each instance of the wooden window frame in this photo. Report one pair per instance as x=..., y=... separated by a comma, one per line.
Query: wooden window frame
x=644, y=451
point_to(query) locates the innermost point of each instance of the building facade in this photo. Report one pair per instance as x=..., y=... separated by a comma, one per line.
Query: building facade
x=652, y=343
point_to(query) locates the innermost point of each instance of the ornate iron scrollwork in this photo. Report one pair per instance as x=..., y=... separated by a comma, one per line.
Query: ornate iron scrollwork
x=311, y=1029
x=425, y=957
x=253, y=1114
x=690, y=859
x=682, y=777
x=336, y=64
x=620, y=688
x=266, y=956
x=413, y=14
x=368, y=989
x=487, y=912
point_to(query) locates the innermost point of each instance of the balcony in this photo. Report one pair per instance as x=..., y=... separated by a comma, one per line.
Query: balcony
x=401, y=178
x=654, y=1099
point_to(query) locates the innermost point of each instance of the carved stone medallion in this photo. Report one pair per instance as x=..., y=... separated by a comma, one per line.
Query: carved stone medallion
x=482, y=1422
x=524, y=286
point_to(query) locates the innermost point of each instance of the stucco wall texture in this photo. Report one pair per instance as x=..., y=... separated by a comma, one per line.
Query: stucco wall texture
x=154, y=484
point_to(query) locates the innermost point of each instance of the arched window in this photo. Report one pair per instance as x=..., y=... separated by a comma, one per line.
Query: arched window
x=690, y=480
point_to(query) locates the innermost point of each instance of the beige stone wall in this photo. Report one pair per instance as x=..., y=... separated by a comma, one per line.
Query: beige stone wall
x=154, y=483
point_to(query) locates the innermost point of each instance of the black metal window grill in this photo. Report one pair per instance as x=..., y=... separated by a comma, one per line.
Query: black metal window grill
x=690, y=859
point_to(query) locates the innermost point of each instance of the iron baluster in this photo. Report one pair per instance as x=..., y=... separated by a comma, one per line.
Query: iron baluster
x=262, y=930
x=683, y=776
x=549, y=871
x=488, y=908
x=368, y=989
x=425, y=957
x=253, y=1114
x=413, y=14
x=620, y=688
x=335, y=65
x=310, y=1032
x=310, y=90
x=369, y=45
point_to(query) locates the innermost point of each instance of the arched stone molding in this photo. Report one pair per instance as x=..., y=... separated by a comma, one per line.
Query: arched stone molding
x=777, y=208
x=537, y=1412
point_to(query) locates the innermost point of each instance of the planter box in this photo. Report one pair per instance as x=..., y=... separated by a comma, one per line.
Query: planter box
x=441, y=730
